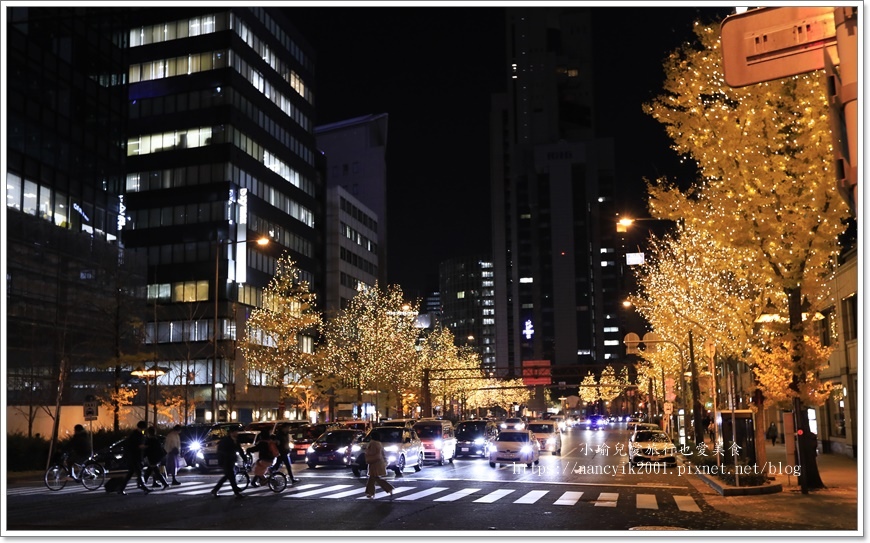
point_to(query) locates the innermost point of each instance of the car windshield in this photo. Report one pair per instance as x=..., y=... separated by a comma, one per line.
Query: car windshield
x=658, y=437
x=469, y=430
x=386, y=435
x=337, y=437
x=542, y=428
x=428, y=430
x=513, y=436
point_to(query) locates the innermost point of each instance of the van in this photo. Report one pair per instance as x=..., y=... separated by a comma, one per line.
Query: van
x=473, y=437
x=439, y=440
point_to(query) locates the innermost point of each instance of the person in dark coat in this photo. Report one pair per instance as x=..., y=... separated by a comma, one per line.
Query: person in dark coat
x=134, y=450
x=227, y=448
x=267, y=450
x=772, y=433
x=285, y=447
x=79, y=447
x=154, y=454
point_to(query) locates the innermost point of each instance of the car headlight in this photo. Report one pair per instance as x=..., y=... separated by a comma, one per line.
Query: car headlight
x=195, y=446
x=526, y=449
x=392, y=448
x=341, y=450
x=479, y=441
x=521, y=426
x=504, y=425
x=355, y=448
x=438, y=443
x=200, y=455
x=551, y=440
x=310, y=449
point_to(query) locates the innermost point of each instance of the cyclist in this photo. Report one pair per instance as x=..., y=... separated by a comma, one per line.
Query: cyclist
x=267, y=448
x=79, y=446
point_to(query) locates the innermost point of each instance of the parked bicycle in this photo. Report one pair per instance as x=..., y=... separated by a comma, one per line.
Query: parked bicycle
x=91, y=474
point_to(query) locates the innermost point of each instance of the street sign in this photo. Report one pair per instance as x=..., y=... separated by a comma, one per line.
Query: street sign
x=669, y=408
x=91, y=410
x=775, y=42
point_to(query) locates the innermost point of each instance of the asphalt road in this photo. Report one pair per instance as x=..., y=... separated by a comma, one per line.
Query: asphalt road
x=589, y=488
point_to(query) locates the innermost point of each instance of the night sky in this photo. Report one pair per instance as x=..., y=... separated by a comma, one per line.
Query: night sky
x=433, y=70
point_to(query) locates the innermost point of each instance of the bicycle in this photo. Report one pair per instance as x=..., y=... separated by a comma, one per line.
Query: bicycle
x=275, y=478
x=91, y=474
x=241, y=470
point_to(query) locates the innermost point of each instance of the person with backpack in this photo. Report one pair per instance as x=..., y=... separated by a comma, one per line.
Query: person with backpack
x=154, y=454
x=267, y=449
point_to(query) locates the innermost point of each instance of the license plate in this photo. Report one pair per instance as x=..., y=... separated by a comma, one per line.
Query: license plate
x=324, y=459
x=212, y=462
x=464, y=449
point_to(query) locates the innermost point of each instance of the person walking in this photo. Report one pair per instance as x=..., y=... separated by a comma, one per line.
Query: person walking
x=134, y=449
x=285, y=448
x=172, y=446
x=772, y=433
x=154, y=454
x=227, y=448
x=377, y=467
x=79, y=447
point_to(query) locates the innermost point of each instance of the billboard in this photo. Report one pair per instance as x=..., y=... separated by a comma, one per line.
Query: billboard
x=536, y=372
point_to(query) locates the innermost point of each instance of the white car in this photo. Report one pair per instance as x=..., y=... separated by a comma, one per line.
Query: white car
x=548, y=435
x=651, y=446
x=515, y=447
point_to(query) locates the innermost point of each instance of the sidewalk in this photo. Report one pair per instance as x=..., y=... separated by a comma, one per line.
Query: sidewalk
x=832, y=508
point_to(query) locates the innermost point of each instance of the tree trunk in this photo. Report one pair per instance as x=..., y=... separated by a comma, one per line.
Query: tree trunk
x=810, y=478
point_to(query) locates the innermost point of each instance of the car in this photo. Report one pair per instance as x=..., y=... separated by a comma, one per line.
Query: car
x=632, y=427
x=548, y=434
x=207, y=456
x=560, y=420
x=439, y=440
x=333, y=448
x=596, y=423
x=515, y=446
x=651, y=446
x=402, y=447
x=473, y=437
x=514, y=423
x=194, y=436
x=303, y=436
x=401, y=423
x=361, y=425
x=272, y=426
x=112, y=457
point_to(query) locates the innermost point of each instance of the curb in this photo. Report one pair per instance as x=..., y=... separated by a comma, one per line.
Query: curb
x=728, y=490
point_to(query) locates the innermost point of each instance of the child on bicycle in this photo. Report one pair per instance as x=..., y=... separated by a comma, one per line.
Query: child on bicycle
x=267, y=447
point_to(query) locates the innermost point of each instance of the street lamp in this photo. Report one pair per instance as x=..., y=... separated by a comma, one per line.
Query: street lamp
x=148, y=374
x=217, y=268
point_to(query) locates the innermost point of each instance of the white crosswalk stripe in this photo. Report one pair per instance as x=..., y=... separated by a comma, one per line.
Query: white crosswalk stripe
x=647, y=501
x=683, y=503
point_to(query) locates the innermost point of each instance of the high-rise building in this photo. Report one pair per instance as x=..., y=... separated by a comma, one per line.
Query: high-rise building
x=355, y=151
x=554, y=237
x=220, y=153
x=468, y=305
x=73, y=291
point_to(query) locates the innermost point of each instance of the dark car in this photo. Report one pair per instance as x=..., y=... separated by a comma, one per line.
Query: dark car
x=333, y=448
x=473, y=437
x=112, y=457
x=303, y=436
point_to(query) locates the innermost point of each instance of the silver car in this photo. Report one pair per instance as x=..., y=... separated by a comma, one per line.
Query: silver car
x=401, y=445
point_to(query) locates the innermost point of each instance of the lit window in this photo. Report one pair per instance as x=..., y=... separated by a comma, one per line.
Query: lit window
x=526, y=280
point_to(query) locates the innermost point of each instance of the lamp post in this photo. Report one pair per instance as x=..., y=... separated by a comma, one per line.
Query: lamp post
x=150, y=373
x=217, y=268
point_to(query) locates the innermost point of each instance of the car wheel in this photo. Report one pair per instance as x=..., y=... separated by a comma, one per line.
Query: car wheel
x=492, y=464
x=558, y=452
x=400, y=466
x=419, y=465
x=538, y=461
x=312, y=465
x=355, y=472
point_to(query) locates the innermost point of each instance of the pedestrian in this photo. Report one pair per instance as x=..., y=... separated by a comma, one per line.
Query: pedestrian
x=154, y=454
x=227, y=448
x=772, y=433
x=285, y=448
x=377, y=467
x=134, y=449
x=267, y=449
x=172, y=446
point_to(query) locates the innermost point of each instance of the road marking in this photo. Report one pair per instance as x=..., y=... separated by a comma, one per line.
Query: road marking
x=423, y=493
x=568, y=498
x=316, y=491
x=346, y=493
x=647, y=501
x=607, y=499
x=457, y=495
x=686, y=503
x=532, y=496
x=396, y=490
x=494, y=496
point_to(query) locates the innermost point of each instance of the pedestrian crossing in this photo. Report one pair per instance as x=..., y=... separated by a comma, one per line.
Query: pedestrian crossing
x=410, y=493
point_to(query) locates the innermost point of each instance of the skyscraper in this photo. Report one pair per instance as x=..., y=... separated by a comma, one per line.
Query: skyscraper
x=220, y=153
x=554, y=240
x=468, y=305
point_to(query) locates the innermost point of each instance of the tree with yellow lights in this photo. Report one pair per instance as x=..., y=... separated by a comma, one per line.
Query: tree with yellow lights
x=589, y=389
x=765, y=155
x=371, y=343
x=454, y=372
x=278, y=340
x=502, y=393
